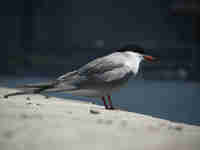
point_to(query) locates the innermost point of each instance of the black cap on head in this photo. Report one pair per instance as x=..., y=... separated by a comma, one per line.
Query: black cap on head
x=133, y=48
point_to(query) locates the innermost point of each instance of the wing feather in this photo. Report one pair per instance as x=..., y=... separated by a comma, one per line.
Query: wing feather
x=106, y=69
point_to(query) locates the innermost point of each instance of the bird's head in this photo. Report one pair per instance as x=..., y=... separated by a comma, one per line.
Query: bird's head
x=137, y=52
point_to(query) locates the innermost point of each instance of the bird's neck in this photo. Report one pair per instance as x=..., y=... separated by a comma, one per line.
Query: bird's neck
x=134, y=66
x=133, y=62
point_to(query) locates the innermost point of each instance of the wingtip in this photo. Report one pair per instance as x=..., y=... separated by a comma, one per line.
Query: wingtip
x=5, y=96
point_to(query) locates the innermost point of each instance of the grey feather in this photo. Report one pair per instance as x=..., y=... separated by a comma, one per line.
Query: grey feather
x=101, y=65
x=99, y=73
x=105, y=69
x=102, y=74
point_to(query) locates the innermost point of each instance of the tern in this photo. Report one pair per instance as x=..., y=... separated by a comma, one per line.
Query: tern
x=97, y=79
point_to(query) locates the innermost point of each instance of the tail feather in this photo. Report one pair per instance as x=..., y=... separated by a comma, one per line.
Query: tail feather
x=38, y=85
x=32, y=89
x=17, y=93
x=46, y=87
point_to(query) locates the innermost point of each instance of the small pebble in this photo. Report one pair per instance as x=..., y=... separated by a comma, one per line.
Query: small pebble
x=69, y=112
x=5, y=96
x=8, y=134
x=28, y=98
x=28, y=103
x=47, y=97
x=108, y=122
x=94, y=112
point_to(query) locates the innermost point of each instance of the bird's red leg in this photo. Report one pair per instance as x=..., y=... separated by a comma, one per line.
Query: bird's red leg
x=110, y=102
x=104, y=102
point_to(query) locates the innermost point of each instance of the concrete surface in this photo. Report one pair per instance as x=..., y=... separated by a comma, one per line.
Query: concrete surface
x=30, y=122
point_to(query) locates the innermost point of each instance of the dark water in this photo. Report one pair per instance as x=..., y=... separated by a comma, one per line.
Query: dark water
x=173, y=100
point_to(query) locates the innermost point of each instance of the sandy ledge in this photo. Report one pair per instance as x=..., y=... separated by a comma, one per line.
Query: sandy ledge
x=35, y=122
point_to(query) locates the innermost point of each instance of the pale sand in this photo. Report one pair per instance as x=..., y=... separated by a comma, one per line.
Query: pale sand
x=30, y=122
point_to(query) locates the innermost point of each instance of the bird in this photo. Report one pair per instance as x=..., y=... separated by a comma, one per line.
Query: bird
x=97, y=79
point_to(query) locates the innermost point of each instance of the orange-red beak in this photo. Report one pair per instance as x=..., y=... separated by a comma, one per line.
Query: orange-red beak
x=150, y=58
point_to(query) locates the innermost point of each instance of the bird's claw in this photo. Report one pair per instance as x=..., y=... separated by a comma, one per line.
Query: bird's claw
x=110, y=108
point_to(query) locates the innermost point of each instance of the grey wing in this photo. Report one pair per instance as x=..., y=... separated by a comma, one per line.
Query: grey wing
x=117, y=74
x=66, y=82
x=105, y=69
